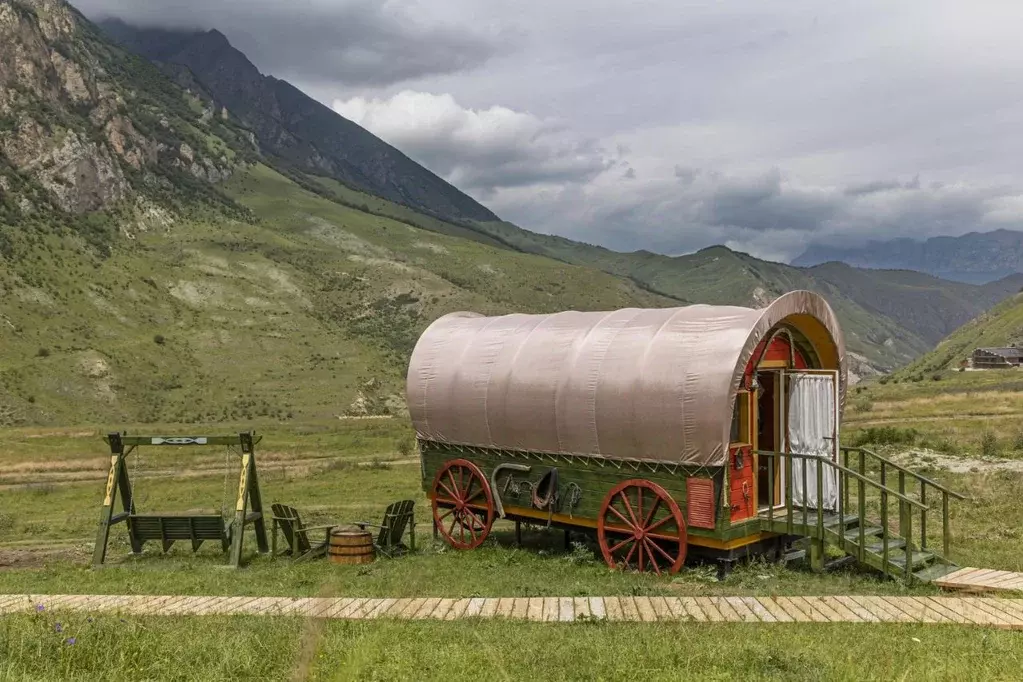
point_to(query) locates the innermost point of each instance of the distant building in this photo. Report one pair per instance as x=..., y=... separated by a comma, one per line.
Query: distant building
x=996, y=358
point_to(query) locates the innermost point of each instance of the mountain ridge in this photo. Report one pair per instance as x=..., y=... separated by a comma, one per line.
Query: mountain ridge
x=298, y=129
x=975, y=257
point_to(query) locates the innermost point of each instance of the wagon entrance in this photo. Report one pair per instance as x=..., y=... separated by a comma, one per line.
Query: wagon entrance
x=811, y=407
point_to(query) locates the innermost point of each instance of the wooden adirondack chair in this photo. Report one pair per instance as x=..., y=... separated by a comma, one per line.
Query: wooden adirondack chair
x=397, y=517
x=296, y=534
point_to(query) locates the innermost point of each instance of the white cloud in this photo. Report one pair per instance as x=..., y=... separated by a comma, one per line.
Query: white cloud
x=478, y=150
x=674, y=124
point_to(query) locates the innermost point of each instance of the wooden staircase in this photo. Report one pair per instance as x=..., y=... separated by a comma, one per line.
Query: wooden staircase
x=862, y=528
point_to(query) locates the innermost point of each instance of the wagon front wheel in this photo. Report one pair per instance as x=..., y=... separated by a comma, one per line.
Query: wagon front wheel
x=641, y=526
x=463, y=505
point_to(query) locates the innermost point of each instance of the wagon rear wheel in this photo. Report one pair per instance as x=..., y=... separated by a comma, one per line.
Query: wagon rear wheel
x=641, y=526
x=463, y=506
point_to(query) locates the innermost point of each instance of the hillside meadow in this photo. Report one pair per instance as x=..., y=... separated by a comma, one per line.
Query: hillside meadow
x=339, y=471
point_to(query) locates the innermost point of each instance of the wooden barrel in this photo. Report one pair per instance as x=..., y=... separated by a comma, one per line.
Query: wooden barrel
x=351, y=546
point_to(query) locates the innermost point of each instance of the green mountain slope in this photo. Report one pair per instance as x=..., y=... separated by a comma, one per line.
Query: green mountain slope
x=889, y=316
x=289, y=317
x=1000, y=326
x=158, y=262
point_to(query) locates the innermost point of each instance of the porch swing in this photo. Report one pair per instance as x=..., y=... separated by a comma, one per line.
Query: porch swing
x=170, y=527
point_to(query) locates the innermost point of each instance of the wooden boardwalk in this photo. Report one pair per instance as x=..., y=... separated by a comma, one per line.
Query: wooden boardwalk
x=981, y=580
x=988, y=612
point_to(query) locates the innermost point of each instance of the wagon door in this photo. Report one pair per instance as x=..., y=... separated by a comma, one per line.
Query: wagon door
x=812, y=429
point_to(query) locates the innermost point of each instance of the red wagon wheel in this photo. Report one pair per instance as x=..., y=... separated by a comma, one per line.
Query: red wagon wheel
x=463, y=506
x=640, y=525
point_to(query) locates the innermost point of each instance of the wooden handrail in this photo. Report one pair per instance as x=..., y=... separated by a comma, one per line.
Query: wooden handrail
x=904, y=470
x=848, y=472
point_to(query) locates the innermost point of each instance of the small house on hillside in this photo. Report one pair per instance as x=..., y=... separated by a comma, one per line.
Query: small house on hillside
x=996, y=358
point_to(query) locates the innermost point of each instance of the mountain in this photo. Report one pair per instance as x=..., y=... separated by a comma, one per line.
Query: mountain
x=999, y=327
x=162, y=260
x=977, y=257
x=297, y=129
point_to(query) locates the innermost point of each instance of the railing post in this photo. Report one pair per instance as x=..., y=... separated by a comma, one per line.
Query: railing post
x=820, y=513
x=946, y=532
x=884, y=531
x=770, y=497
x=862, y=491
x=788, y=490
x=923, y=516
x=902, y=507
x=806, y=497
x=909, y=541
x=844, y=489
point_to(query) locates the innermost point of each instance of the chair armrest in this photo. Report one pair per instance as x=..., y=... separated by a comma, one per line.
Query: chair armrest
x=363, y=524
x=326, y=528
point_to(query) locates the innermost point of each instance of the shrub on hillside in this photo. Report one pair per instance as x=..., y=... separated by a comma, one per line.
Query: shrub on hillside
x=885, y=435
x=989, y=444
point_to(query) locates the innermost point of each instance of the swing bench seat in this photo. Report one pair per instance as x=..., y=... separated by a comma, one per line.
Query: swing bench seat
x=169, y=528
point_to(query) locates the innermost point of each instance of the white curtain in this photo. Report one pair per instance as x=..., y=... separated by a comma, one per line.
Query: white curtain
x=812, y=418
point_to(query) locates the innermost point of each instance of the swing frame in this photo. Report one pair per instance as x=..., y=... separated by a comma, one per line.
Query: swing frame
x=170, y=527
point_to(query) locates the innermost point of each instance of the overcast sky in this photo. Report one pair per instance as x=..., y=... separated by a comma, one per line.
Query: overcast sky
x=670, y=125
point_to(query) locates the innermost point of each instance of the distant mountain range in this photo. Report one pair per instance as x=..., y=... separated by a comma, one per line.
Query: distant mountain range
x=977, y=257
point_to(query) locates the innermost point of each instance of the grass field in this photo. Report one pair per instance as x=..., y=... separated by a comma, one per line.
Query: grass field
x=51, y=483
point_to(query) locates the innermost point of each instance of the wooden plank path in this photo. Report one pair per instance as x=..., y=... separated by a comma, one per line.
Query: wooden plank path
x=980, y=580
x=988, y=612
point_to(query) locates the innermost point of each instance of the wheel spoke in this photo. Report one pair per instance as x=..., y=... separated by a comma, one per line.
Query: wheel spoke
x=451, y=528
x=454, y=498
x=454, y=486
x=653, y=559
x=667, y=518
x=660, y=549
x=619, y=515
x=640, y=556
x=446, y=514
x=474, y=496
x=666, y=538
x=639, y=504
x=653, y=510
x=629, y=555
x=468, y=488
x=628, y=508
x=620, y=545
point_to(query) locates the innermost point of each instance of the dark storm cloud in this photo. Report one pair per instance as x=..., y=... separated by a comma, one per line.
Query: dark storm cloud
x=353, y=42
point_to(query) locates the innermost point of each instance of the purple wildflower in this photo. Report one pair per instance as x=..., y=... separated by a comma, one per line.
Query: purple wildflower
x=71, y=641
x=58, y=627
x=40, y=607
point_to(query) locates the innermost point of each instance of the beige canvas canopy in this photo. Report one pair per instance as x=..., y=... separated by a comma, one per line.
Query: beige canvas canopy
x=655, y=384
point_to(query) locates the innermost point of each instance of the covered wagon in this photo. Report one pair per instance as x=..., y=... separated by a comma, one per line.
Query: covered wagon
x=647, y=427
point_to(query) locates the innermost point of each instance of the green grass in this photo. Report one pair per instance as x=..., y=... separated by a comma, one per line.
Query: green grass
x=345, y=471
x=218, y=648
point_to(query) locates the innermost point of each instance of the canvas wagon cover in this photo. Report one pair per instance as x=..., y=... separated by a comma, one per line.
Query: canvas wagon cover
x=655, y=384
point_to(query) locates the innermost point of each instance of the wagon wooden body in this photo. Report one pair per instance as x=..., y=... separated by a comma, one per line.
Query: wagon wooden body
x=645, y=427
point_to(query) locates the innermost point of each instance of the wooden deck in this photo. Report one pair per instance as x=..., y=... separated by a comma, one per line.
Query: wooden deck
x=985, y=612
x=981, y=580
